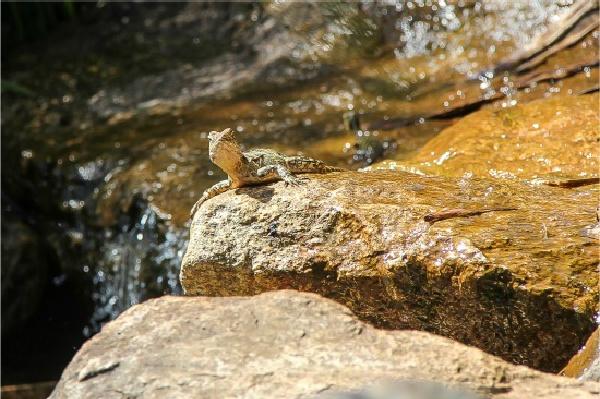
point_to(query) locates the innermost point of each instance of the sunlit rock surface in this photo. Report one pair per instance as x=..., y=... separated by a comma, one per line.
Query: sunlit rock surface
x=280, y=345
x=520, y=284
x=544, y=138
x=585, y=364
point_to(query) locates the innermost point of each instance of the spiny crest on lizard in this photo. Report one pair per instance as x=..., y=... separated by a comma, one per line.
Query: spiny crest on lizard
x=254, y=167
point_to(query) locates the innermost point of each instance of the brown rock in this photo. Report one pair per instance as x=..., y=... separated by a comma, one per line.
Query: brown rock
x=280, y=345
x=27, y=391
x=586, y=363
x=519, y=284
x=542, y=138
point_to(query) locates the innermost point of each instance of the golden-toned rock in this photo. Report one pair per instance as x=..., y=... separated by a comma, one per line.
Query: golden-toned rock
x=520, y=284
x=585, y=364
x=542, y=138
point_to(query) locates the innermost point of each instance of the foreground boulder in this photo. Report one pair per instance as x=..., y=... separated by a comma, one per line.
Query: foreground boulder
x=280, y=345
x=520, y=284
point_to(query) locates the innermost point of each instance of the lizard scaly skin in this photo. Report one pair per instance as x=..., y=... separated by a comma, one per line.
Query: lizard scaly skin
x=254, y=167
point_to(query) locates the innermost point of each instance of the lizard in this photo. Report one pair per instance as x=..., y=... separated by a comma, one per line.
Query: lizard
x=254, y=167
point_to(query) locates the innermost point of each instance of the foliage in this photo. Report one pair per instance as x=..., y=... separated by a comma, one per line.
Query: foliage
x=28, y=21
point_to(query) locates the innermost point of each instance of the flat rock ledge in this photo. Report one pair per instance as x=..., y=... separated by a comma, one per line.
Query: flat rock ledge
x=281, y=345
x=522, y=284
x=549, y=138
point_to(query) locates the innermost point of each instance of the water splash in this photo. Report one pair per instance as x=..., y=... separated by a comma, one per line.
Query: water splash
x=137, y=264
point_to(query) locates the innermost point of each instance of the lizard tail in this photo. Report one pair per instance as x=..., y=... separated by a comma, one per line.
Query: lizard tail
x=329, y=169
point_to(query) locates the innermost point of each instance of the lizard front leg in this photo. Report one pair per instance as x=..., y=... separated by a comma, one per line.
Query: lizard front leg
x=282, y=171
x=215, y=190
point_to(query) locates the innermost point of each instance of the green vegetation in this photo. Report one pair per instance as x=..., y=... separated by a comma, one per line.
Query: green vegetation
x=27, y=21
x=14, y=87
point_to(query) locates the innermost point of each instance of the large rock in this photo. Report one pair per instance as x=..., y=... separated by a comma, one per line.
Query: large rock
x=520, y=284
x=280, y=345
x=557, y=136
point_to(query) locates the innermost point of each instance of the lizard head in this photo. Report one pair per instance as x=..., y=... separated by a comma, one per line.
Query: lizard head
x=223, y=148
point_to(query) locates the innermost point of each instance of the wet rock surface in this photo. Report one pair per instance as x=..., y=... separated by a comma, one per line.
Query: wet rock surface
x=281, y=345
x=585, y=365
x=494, y=280
x=541, y=139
